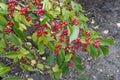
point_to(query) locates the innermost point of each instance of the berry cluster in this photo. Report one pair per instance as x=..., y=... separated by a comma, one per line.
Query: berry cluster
x=11, y=7
x=7, y=30
x=38, y=6
x=24, y=9
x=75, y=21
x=41, y=30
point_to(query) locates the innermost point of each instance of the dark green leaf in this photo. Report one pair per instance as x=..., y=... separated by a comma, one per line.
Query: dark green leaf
x=64, y=68
x=92, y=50
x=107, y=42
x=76, y=59
x=60, y=57
x=19, y=33
x=104, y=50
x=50, y=59
x=13, y=78
x=78, y=67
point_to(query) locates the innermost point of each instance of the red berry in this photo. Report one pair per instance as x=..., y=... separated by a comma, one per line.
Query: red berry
x=87, y=39
x=87, y=33
x=96, y=41
x=56, y=51
x=36, y=25
x=70, y=64
x=39, y=33
x=96, y=45
x=40, y=12
x=28, y=18
x=77, y=41
x=7, y=30
x=65, y=32
x=22, y=11
x=10, y=23
x=65, y=23
x=76, y=23
x=73, y=51
x=80, y=28
x=73, y=20
x=58, y=46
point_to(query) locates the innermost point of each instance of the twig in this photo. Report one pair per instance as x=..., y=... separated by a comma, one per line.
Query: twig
x=19, y=3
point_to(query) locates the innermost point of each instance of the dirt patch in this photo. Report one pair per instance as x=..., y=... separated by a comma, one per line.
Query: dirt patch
x=104, y=16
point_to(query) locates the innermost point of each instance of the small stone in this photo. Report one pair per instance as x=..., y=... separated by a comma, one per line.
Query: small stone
x=93, y=21
x=100, y=70
x=33, y=62
x=118, y=25
x=106, y=31
x=96, y=27
x=26, y=75
x=30, y=79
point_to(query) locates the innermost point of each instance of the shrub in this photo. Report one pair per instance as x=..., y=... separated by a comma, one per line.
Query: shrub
x=42, y=35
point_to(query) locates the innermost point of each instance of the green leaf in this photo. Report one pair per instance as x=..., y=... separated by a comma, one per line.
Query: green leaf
x=2, y=43
x=40, y=66
x=104, y=50
x=81, y=17
x=50, y=16
x=11, y=55
x=26, y=67
x=76, y=59
x=41, y=47
x=19, y=33
x=32, y=6
x=107, y=42
x=14, y=39
x=70, y=29
x=1, y=65
x=64, y=68
x=76, y=7
x=22, y=27
x=50, y=59
x=13, y=78
x=78, y=67
x=32, y=16
x=68, y=57
x=17, y=16
x=34, y=37
x=74, y=34
x=24, y=20
x=92, y=50
x=3, y=8
x=51, y=46
x=47, y=5
x=2, y=19
x=57, y=75
x=60, y=57
x=4, y=70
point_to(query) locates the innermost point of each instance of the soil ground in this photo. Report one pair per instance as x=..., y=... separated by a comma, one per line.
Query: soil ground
x=104, y=16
